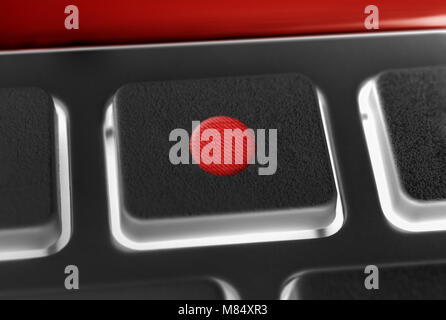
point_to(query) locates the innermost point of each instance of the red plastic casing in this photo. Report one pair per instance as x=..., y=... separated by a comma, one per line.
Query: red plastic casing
x=40, y=23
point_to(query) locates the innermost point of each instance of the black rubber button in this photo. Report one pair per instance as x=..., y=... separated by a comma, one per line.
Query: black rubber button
x=27, y=158
x=153, y=187
x=414, y=103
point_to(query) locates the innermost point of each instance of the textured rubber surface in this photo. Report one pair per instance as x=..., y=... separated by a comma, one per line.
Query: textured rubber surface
x=416, y=282
x=153, y=187
x=27, y=185
x=414, y=101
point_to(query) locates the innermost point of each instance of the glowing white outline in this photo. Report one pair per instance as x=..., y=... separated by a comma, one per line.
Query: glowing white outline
x=368, y=34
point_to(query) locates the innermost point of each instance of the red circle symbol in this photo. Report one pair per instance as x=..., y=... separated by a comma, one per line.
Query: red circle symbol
x=222, y=146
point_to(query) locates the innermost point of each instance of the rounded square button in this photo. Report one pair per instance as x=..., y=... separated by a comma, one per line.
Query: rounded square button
x=175, y=179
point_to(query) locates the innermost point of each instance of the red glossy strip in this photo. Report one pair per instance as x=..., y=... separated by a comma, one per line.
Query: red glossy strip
x=40, y=23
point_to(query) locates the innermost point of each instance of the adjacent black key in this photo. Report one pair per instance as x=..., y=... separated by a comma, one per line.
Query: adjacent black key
x=27, y=158
x=33, y=176
x=404, y=114
x=289, y=196
x=414, y=103
x=405, y=282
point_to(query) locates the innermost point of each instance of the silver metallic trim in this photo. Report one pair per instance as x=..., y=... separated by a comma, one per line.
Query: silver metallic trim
x=142, y=235
x=230, y=42
x=41, y=241
x=289, y=290
x=229, y=292
x=402, y=211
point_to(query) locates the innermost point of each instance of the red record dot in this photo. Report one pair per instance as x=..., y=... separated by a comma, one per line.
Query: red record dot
x=213, y=155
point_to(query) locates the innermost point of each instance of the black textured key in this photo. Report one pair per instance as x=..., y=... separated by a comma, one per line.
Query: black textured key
x=27, y=158
x=404, y=116
x=414, y=103
x=405, y=282
x=153, y=188
x=33, y=176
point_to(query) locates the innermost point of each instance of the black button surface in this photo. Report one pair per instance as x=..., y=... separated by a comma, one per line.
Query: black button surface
x=28, y=195
x=414, y=103
x=154, y=188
